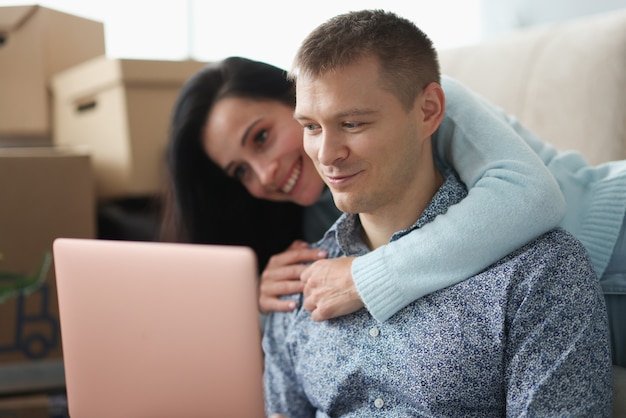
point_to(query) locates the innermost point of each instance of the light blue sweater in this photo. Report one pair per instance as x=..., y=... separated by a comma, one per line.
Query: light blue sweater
x=513, y=197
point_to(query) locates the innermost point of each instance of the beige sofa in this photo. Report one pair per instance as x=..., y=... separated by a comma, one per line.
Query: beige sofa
x=567, y=83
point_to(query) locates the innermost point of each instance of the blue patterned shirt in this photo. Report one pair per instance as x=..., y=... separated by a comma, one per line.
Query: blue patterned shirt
x=525, y=337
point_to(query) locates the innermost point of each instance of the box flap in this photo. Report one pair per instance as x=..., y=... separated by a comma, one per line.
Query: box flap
x=13, y=17
x=159, y=73
x=97, y=74
x=87, y=78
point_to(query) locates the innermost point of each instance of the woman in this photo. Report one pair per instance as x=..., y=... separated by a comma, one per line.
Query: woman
x=232, y=132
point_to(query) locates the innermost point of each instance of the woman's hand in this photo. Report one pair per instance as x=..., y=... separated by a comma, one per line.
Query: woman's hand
x=329, y=289
x=282, y=276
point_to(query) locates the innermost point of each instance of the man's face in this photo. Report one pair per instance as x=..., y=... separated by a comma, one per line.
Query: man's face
x=365, y=145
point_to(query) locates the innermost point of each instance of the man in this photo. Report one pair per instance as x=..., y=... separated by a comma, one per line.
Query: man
x=527, y=336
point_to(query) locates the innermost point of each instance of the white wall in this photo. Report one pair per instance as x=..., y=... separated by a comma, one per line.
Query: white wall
x=269, y=30
x=502, y=16
x=272, y=31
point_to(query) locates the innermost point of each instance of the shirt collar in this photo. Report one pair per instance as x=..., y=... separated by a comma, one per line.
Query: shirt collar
x=347, y=229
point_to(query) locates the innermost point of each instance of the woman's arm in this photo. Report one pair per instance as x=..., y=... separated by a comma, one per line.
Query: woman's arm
x=512, y=199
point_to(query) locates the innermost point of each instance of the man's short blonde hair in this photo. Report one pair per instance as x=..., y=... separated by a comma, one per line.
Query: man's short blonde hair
x=407, y=57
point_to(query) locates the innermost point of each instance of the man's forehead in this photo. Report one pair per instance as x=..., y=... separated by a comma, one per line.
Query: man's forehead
x=343, y=98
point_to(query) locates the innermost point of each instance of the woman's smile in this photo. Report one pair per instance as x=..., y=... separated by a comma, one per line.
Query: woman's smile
x=293, y=177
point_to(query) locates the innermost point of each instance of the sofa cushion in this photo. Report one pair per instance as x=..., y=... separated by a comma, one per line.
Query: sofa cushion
x=566, y=82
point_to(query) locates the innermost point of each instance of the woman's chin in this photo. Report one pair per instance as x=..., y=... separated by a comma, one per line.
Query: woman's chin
x=309, y=198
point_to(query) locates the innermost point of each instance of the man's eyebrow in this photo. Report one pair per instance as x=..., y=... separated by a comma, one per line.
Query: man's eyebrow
x=244, y=137
x=356, y=112
x=298, y=116
x=343, y=113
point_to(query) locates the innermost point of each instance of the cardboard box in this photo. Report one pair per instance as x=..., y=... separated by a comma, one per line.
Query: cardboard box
x=36, y=42
x=32, y=406
x=121, y=110
x=46, y=193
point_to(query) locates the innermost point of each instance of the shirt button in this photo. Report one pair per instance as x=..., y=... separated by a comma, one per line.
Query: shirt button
x=378, y=403
x=374, y=332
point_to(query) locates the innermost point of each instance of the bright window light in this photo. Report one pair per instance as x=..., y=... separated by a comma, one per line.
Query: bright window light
x=270, y=31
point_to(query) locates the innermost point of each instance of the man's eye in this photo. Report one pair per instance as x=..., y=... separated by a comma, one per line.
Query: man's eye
x=260, y=138
x=310, y=127
x=351, y=125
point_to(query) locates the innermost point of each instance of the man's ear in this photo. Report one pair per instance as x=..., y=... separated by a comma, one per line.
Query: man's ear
x=432, y=103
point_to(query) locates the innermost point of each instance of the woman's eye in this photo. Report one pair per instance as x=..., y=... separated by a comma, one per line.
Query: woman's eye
x=351, y=125
x=260, y=138
x=239, y=172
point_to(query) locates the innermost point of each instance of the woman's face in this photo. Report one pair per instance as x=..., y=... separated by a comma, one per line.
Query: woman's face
x=260, y=144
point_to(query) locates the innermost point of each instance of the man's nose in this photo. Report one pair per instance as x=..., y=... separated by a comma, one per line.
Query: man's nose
x=332, y=148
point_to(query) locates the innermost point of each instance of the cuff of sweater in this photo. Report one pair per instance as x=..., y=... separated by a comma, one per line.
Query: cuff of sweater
x=371, y=277
x=603, y=222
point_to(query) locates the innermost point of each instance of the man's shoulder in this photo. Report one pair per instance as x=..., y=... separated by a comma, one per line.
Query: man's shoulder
x=556, y=241
x=556, y=251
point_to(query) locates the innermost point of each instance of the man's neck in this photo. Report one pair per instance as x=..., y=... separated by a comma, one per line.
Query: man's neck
x=379, y=226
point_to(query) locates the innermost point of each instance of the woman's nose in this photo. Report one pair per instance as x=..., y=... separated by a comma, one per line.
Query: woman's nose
x=266, y=170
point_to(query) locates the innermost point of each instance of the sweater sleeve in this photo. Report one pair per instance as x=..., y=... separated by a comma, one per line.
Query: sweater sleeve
x=512, y=198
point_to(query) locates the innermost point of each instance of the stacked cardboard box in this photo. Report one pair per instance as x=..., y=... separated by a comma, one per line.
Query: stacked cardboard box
x=35, y=43
x=77, y=129
x=120, y=109
x=33, y=406
x=47, y=192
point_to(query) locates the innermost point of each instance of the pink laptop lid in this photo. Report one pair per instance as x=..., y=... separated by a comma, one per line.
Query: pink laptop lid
x=158, y=329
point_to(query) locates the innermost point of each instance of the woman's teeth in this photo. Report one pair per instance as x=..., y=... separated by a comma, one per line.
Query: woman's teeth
x=292, y=180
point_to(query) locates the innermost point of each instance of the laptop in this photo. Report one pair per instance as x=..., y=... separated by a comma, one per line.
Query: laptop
x=154, y=329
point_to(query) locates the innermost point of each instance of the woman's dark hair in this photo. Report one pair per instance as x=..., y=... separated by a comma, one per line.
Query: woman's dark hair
x=201, y=204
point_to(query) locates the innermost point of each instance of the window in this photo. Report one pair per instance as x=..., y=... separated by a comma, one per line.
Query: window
x=269, y=31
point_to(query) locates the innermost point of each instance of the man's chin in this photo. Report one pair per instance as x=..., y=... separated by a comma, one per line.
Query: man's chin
x=345, y=203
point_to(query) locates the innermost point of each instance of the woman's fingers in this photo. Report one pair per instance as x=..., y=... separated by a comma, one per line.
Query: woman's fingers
x=282, y=276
